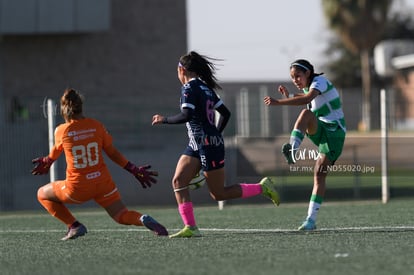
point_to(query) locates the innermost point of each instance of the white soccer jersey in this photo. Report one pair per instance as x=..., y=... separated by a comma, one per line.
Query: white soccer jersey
x=327, y=106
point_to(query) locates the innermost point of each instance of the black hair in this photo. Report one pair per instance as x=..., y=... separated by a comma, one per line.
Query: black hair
x=203, y=66
x=304, y=65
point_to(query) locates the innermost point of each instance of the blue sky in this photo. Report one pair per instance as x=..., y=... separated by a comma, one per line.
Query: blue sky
x=259, y=39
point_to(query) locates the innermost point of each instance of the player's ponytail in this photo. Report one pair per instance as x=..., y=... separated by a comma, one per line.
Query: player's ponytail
x=203, y=66
x=71, y=103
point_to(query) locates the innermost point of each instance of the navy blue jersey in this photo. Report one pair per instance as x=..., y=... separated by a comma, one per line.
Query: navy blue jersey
x=203, y=101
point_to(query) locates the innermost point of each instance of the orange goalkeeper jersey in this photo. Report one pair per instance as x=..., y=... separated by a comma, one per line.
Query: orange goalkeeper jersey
x=83, y=142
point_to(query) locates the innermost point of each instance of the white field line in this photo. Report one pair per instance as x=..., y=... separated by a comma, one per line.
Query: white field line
x=234, y=230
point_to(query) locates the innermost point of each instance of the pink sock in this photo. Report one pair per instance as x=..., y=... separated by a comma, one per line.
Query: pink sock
x=250, y=190
x=187, y=213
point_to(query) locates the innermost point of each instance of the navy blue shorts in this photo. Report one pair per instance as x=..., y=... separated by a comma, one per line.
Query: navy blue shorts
x=211, y=157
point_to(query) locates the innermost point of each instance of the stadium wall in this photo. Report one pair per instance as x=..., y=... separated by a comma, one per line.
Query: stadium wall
x=129, y=66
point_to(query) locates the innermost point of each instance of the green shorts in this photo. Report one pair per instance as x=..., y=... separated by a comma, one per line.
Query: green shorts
x=330, y=140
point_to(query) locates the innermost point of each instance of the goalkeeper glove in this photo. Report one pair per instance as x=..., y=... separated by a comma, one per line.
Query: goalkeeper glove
x=42, y=165
x=142, y=174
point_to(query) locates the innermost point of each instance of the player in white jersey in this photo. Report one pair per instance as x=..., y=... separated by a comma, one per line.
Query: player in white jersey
x=322, y=121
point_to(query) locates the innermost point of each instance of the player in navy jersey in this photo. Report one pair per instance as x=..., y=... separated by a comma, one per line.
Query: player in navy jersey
x=205, y=149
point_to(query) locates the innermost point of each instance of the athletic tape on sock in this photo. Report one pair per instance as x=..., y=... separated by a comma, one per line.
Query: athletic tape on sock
x=180, y=189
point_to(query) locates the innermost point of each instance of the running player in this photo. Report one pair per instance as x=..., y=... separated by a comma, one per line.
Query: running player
x=205, y=149
x=87, y=177
x=323, y=122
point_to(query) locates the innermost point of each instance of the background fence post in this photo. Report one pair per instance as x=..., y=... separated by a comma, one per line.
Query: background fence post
x=51, y=122
x=384, y=147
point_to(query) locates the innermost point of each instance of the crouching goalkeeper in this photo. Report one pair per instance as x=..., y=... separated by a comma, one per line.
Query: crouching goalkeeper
x=87, y=177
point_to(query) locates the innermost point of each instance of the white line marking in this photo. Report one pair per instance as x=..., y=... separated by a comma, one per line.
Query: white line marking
x=233, y=230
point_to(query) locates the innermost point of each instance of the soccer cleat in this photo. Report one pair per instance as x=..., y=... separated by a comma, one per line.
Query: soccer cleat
x=307, y=225
x=74, y=232
x=153, y=225
x=287, y=151
x=269, y=190
x=187, y=232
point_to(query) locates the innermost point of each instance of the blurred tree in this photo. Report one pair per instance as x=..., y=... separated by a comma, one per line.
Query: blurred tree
x=399, y=26
x=345, y=67
x=359, y=25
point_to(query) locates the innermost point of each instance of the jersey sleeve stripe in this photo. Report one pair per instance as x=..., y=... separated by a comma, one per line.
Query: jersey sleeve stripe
x=188, y=105
x=219, y=103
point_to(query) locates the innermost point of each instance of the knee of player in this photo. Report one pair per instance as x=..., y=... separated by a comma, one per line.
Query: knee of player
x=306, y=112
x=177, y=183
x=40, y=194
x=217, y=196
x=306, y=115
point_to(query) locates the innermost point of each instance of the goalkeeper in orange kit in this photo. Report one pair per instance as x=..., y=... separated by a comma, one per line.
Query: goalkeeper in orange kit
x=87, y=177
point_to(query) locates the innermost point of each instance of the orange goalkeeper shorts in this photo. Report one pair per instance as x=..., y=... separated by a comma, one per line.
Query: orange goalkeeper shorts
x=104, y=192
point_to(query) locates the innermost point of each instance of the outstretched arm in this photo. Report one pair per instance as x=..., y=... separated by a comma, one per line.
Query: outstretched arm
x=299, y=99
x=181, y=117
x=142, y=174
x=115, y=155
x=42, y=164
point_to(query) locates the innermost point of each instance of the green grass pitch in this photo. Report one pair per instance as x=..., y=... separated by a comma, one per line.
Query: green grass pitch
x=353, y=237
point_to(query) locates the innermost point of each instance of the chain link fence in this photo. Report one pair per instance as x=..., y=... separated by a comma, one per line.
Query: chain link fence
x=253, y=139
